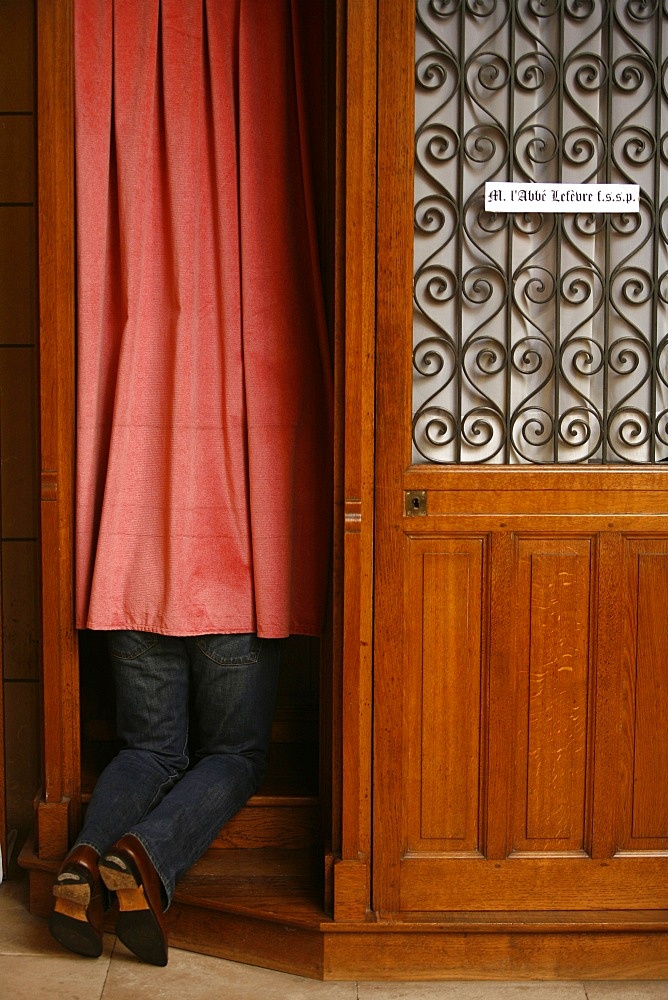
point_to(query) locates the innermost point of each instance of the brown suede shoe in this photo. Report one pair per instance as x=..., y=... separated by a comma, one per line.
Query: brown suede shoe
x=127, y=870
x=78, y=913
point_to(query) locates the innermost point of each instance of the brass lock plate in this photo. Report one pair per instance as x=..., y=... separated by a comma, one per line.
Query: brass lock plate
x=415, y=503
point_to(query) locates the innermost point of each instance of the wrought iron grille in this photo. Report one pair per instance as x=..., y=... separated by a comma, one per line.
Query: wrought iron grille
x=540, y=338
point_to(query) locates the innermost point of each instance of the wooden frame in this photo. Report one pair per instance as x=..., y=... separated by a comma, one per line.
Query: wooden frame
x=58, y=805
x=454, y=619
x=355, y=457
x=348, y=937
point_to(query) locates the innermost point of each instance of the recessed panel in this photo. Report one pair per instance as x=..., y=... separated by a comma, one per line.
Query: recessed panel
x=644, y=723
x=444, y=718
x=552, y=708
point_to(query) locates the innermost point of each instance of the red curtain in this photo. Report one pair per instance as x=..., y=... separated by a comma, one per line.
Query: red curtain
x=204, y=396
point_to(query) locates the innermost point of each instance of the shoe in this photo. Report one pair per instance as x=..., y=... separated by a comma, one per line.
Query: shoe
x=127, y=870
x=78, y=913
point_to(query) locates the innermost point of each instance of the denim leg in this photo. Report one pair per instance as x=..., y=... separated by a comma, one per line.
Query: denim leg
x=234, y=679
x=151, y=675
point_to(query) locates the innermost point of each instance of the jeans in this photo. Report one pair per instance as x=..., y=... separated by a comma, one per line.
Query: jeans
x=149, y=788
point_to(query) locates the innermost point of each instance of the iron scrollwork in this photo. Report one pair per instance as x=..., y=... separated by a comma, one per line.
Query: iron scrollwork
x=538, y=337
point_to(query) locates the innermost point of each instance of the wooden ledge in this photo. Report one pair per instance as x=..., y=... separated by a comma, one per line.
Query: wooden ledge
x=264, y=907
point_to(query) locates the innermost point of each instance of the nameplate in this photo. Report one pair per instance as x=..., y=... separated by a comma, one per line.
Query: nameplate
x=510, y=196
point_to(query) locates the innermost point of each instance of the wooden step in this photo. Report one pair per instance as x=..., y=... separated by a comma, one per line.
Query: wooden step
x=285, y=813
x=257, y=882
x=265, y=908
x=285, y=822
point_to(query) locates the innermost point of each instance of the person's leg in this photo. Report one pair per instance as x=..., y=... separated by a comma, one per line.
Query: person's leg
x=234, y=679
x=151, y=676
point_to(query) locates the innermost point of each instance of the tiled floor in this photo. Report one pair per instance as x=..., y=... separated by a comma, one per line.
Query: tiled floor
x=33, y=967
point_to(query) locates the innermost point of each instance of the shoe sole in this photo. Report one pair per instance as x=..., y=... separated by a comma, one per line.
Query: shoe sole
x=69, y=926
x=137, y=926
x=69, y=923
x=72, y=887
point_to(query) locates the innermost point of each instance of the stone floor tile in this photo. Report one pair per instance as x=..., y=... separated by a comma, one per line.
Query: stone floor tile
x=58, y=977
x=32, y=965
x=21, y=933
x=471, y=991
x=631, y=990
x=200, y=977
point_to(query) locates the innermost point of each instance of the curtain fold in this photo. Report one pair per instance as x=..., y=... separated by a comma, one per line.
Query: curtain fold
x=204, y=395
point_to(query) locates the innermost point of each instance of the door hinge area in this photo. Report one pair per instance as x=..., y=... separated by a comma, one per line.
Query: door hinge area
x=415, y=503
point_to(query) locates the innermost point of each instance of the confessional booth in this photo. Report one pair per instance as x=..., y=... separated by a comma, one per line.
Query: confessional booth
x=468, y=774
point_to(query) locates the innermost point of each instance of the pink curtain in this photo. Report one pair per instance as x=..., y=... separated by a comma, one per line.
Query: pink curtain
x=204, y=397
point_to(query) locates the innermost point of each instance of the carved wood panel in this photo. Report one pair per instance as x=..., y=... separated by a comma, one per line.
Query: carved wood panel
x=553, y=694
x=520, y=719
x=643, y=813
x=496, y=768
x=445, y=686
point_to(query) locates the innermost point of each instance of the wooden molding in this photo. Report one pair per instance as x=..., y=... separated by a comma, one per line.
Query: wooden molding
x=55, y=116
x=351, y=891
x=52, y=828
x=359, y=265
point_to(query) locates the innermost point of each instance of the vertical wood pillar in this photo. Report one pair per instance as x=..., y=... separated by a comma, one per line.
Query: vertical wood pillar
x=58, y=803
x=351, y=872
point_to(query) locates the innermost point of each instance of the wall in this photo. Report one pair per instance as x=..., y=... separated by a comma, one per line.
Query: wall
x=19, y=513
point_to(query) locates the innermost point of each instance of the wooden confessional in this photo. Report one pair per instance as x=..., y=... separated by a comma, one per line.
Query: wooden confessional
x=468, y=777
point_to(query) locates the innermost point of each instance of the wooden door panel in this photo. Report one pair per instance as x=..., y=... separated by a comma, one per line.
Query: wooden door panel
x=496, y=769
x=543, y=883
x=445, y=692
x=643, y=814
x=521, y=644
x=552, y=665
